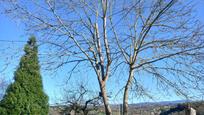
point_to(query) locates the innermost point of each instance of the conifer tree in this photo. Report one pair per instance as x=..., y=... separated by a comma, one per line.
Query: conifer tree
x=25, y=95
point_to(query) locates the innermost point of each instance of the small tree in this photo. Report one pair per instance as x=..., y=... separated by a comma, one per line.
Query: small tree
x=81, y=100
x=25, y=95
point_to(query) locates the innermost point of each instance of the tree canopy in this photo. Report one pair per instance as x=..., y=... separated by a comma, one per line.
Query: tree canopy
x=156, y=44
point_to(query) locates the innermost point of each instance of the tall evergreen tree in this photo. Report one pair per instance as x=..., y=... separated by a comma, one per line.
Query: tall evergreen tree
x=25, y=95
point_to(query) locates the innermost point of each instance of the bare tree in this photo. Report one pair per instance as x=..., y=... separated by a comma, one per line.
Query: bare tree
x=80, y=31
x=81, y=100
x=157, y=38
x=163, y=41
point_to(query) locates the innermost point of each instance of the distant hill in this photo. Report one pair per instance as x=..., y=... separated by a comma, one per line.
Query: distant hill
x=153, y=104
x=162, y=103
x=199, y=106
x=147, y=108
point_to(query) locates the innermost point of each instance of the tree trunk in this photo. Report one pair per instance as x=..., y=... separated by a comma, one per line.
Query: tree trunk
x=126, y=92
x=105, y=99
x=85, y=112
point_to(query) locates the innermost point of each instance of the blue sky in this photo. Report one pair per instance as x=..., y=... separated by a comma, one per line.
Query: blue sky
x=14, y=31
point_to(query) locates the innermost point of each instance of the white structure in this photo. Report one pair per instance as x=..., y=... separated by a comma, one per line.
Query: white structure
x=192, y=111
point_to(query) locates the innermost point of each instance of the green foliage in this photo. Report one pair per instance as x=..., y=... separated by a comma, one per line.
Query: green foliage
x=25, y=96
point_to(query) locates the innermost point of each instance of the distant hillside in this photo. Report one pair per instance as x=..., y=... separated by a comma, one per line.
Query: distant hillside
x=147, y=108
x=162, y=103
x=152, y=104
x=180, y=107
x=199, y=106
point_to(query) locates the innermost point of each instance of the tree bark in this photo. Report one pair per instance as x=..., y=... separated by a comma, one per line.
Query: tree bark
x=126, y=92
x=105, y=99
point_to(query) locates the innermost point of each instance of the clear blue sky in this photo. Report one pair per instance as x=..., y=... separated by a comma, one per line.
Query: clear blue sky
x=14, y=31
